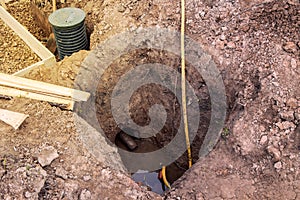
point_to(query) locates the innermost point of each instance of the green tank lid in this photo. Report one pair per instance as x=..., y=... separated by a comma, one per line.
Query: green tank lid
x=67, y=17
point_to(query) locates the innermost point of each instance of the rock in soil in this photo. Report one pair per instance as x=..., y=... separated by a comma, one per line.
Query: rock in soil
x=47, y=155
x=290, y=47
x=274, y=152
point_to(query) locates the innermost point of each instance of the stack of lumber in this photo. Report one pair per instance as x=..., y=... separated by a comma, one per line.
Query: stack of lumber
x=23, y=87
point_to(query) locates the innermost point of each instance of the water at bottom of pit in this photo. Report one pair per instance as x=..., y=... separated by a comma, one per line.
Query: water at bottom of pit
x=151, y=179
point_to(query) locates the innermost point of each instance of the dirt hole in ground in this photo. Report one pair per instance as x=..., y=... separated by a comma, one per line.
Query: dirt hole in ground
x=140, y=103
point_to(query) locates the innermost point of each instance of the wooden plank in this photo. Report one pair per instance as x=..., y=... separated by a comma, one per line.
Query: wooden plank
x=50, y=61
x=28, y=69
x=41, y=87
x=23, y=33
x=14, y=119
x=47, y=62
x=68, y=104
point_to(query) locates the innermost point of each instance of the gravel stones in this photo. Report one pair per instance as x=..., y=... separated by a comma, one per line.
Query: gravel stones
x=278, y=165
x=285, y=125
x=263, y=140
x=274, y=152
x=14, y=53
x=231, y=45
x=85, y=195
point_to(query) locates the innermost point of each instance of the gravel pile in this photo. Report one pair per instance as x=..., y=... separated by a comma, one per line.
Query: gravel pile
x=14, y=53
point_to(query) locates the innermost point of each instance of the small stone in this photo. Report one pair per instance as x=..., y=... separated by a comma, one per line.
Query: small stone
x=292, y=103
x=236, y=39
x=47, y=155
x=60, y=172
x=40, y=180
x=245, y=27
x=21, y=170
x=285, y=125
x=85, y=195
x=27, y=194
x=290, y=47
x=199, y=196
x=275, y=7
x=280, y=125
x=220, y=44
x=276, y=84
x=121, y=8
x=231, y=45
x=202, y=14
x=281, y=147
x=87, y=177
x=274, y=152
x=288, y=115
x=278, y=165
x=263, y=140
x=224, y=28
x=222, y=37
x=294, y=63
x=262, y=128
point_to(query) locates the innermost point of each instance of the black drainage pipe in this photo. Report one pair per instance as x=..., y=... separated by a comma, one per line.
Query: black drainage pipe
x=69, y=30
x=127, y=140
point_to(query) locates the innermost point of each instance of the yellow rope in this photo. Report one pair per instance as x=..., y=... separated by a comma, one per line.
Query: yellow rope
x=183, y=86
x=163, y=172
x=183, y=89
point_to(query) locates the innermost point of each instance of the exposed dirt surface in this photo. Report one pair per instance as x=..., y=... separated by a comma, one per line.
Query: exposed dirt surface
x=255, y=45
x=256, y=48
x=73, y=173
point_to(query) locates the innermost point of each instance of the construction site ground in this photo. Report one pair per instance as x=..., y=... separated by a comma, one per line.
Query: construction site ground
x=256, y=47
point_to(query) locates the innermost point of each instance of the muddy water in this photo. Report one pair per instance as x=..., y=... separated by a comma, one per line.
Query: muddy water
x=151, y=179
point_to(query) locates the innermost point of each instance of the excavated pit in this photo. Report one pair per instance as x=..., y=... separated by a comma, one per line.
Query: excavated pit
x=135, y=82
x=139, y=107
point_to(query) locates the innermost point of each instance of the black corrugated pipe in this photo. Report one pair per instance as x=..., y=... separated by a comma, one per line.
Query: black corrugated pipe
x=69, y=30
